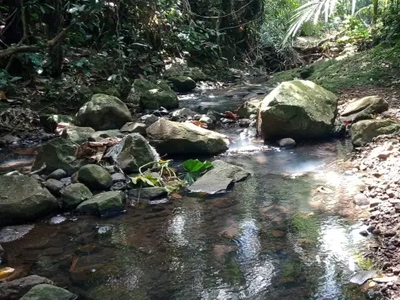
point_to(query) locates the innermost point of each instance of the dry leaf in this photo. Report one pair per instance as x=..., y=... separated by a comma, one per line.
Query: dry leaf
x=5, y=272
x=200, y=124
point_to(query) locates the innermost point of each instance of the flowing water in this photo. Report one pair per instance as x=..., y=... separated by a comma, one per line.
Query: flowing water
x=285, y=233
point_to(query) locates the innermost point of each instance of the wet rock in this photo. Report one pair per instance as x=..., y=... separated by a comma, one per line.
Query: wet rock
x=15, y=289
x=47, y=292
x=23, y=199
x=179, y=69
x=248, y=108
x=104, y=112
x=132, y=153
x=150, y=193
x=99, y=135
x=53, y=185
x=364, y=108
x=56, y=154
x=362, y=276
x=182, y=84
x=57, y=174
x=118, y=186
x=13, y=233
x=79, y=135
x=103, y=204
x=50, y=122
x=149, y=95
x=182, y=113
x=219, y=179
x=57, y=220
x=227, y=121
x=9, y=139
x=185, y=138
x=66, y=181
x=94, y=177
x=75, y=194
x=287, y=143
x=149, y=119
x=300, y=109
x=363, y=132
x=161, y=112
x=135, y=127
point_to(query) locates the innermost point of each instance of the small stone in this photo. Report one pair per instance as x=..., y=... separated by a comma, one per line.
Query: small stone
x=57, y=174
x=134, y=127
x=207, y=120
x=383, y=155
x=15, y=289
x=95, y=177
x=364, y=233
x=227, y=121
x=57, y=220
x=149, y=119
x=66, y=181
x=361, y=199
x=116, y=177
x=53, y=185
x=75, y=194
x=287, y=143
x=390, y=193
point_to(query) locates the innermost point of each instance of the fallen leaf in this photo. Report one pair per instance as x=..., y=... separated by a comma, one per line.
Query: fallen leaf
x=3, y=95
x=176, y=196
x=73, y=264
x=200, y=124
x=231, y=115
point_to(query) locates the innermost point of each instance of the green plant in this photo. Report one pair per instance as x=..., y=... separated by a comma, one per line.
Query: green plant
x=146, y=180
x=7, y=81
x=195, y=169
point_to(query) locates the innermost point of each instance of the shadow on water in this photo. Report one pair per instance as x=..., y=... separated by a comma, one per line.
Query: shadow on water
x=275, y=236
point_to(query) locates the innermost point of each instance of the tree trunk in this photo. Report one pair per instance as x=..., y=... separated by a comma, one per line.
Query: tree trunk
x=375, y=12
x=54, y=28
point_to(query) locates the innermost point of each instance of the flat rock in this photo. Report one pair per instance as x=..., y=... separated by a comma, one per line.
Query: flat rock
x=362, y=276
x=364, y=131
x=219, y=178
x=15, y=289
x=103, y=203
x=368, y=105
x=150, y=193
x=135, y=127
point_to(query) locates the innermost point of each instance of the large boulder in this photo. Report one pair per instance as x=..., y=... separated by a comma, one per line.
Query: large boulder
x=185, y=138
x=219, y=179
x=182, y=84
x=48, y=292
x=132, y=152
x=56, y=154
x=74, y=194
x=104, y=112
x=23, y=199
x=15, y=289
x=300, y=109
x=364, y=131
x=149, y=95
x=95, y=177
x=178, y=69
x=364, y=108
x=103, y=203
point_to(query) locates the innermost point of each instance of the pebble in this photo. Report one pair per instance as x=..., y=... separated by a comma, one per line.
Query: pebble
x=57, y=220
x=361, y=199
x=57, y=174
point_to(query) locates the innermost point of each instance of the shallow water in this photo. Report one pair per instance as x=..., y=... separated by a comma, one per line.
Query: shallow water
x=275, y=236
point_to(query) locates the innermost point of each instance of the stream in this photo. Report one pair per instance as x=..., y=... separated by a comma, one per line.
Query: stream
x=288, y=232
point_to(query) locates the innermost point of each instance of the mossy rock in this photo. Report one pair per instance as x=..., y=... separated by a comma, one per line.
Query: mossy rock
x=182, y=84
x=95, y=177
x=364, y=131
x=103, y=203
x=48, y=292
x=75, y=194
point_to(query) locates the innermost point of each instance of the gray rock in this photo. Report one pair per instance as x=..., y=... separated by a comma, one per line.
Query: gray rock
x=300, y=109
x=116, y=177
x=244, y=122
x=365, y=108
x=206, y=119
x=132, y=152
x=66, y=181
x=219, y=179
x=75, y=194
x=227, y=121
x=185, y=138
x=135, y=127
x=149, y=119
x=182, y=84
x=23, y=199
x=248, y=108
x=183, y=113
x=104, y=112
x=364, y=131
x=118, y=186
x=57, y=220
x=56, y=154
x=79, y=135
x=149, y=95
x=361, y=199
x=103, y=204
x=57, y=174
x=9, y=139
x=15, y=289
x=150, y=193
x=178, y=69
x=14, y=232
x=53, y=185
x=48, y=292
x=286, y=143
x=94, y=177
x=99, y=135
